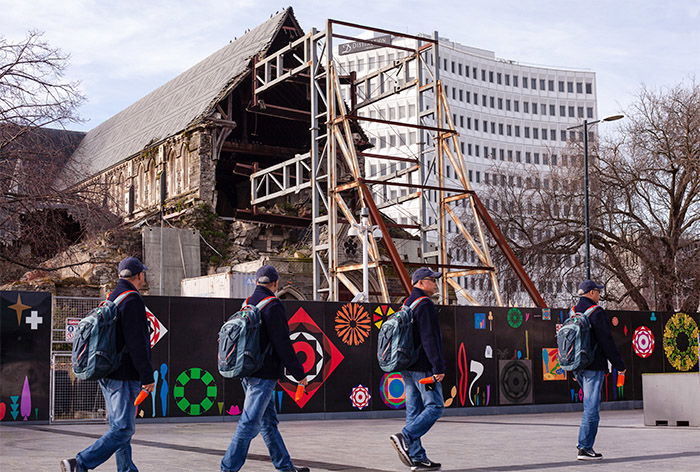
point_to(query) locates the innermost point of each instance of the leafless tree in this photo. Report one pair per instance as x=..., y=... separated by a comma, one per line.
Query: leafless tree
x=38, y=215
x=645, y=208
x=648, y=212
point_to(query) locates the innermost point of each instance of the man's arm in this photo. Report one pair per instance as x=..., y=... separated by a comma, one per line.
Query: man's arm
x=278, y=333
x=601, y=328
x=136, y=337
x=429, y=329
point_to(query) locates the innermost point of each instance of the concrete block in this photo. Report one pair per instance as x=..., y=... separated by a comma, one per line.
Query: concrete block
x=180, y=258
x=671, y=399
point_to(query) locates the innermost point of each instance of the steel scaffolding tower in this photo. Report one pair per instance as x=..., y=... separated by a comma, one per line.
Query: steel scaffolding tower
x=333, y=152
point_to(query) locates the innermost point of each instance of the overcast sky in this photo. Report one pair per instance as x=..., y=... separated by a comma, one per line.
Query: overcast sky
x=121, y=50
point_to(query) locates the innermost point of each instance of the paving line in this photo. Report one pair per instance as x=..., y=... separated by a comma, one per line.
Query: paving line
x=214, y=452
x=578, y=464
x=561, y=425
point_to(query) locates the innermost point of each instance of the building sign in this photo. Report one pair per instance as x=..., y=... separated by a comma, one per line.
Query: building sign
x=71, y=328
x=359, y=46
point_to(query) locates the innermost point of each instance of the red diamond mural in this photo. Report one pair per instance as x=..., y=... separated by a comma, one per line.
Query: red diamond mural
x=317, y=354
x=156, y=329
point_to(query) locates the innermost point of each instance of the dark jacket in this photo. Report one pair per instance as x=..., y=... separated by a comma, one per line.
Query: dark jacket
x=132, y=335
x=426, y=335
x=605, y=348
x=275, y=332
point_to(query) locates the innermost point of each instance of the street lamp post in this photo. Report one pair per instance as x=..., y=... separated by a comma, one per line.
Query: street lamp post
x=586, y=197
x=362, y=230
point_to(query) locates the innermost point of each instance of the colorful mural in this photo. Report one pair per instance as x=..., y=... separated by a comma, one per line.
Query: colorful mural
x=492, y=355
x=318, y=355
x=360, y=397
x=352, y=324
x=643, y=342
x=25, y=349
x=392, y=390
x=551, y=370
x=681, y=342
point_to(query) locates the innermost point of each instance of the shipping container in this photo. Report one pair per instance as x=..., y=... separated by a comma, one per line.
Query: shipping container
x=221, y=285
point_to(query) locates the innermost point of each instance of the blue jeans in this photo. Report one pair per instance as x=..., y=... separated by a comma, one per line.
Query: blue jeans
x=121, y=414
x=423, y=408
x=259, y=416
x=591, y=382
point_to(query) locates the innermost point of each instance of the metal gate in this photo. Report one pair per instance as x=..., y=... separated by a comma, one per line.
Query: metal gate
x=71, y=399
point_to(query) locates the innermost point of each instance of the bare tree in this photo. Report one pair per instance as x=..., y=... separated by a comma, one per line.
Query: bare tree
x=645, y=208
x=38, y=216
x=648, y=213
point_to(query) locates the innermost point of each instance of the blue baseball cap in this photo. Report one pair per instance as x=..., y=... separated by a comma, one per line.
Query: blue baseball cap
x=131, y=266
x=423, y=273
x=588, y=285
x=267, y=274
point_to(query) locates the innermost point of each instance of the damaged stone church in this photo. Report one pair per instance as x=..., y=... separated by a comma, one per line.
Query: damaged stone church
x=193, y=143
x=196, y=138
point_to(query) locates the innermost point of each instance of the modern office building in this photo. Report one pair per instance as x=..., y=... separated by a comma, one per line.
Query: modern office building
x=512, y=120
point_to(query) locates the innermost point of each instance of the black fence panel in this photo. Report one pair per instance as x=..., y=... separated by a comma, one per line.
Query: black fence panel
x=494, y=356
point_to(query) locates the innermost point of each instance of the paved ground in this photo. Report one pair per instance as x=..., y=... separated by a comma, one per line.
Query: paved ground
x=533, y=442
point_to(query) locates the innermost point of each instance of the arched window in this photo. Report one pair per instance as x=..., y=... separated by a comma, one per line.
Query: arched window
x=290, y=293
x=168, y=166
x=150, y=187
x=185, y=167
x=119, y=192
x=177, y=174
x=139, y=186
x=108, y=192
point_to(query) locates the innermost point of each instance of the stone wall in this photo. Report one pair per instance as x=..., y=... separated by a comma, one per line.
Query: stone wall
x=180, y=157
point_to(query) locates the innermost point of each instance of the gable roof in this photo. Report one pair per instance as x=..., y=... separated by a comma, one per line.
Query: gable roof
x=176, y=105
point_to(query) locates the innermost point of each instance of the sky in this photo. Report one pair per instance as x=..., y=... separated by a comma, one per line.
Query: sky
x=121, y=50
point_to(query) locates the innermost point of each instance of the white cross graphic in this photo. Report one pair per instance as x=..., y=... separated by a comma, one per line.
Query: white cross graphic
x=35, y=320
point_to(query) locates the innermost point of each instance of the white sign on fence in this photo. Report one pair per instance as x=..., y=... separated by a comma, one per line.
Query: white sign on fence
x=71, y=328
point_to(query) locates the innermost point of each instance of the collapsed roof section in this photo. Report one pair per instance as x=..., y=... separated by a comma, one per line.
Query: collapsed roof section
x=179, y=104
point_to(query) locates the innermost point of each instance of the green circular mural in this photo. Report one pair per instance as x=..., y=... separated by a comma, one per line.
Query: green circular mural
x=515, y=318
x=191, y=406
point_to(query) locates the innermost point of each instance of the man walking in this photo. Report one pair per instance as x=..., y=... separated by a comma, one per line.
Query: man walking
x=259, y=415
x=424, y=403
x=121, y=387
x=591, y=377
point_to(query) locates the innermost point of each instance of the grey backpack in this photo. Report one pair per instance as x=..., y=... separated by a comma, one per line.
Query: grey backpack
x=95, y=352
x=239, y=341
x=576, y=351
x=395, y=348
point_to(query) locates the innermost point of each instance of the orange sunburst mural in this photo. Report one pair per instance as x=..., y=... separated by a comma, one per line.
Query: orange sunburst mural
x=352, y=323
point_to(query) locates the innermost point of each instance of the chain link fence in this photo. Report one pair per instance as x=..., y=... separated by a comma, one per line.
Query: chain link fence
x=71, y=399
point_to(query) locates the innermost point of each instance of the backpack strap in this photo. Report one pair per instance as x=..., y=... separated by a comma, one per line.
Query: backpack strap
x=262, y=303
x=416, y=302
x=123, y=295
x=590, y=310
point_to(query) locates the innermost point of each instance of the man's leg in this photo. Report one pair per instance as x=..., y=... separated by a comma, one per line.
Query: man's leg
x=432, y=406
x=273, y=439
x=123, y=454
x=258, y=393
x=119, y=399
x=414, y=407
x=591, y=382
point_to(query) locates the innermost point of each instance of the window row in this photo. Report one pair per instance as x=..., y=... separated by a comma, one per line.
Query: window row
x=372, y=62
x=529, y=132
x=507, y=104
x=391, y=112
x=501, y=78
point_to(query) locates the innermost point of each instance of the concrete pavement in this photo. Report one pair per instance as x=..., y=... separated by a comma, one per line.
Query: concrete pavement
x=526, y=442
